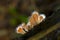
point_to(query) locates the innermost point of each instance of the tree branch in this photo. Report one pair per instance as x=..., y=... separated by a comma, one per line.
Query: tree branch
x=44, y=33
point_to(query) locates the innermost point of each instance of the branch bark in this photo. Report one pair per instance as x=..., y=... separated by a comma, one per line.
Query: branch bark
x=44, y=33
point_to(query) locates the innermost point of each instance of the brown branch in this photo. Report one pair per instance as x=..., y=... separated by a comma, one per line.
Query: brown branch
x=44, y=33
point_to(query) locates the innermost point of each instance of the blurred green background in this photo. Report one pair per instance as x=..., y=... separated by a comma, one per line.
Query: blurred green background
x=14, y=12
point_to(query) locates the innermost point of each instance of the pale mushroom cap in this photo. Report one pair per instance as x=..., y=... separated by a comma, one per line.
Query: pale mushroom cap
x=35, y=12
x=43, y=15
x=20, y=26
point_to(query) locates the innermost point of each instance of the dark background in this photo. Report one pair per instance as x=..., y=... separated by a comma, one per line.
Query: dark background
x=14, y=12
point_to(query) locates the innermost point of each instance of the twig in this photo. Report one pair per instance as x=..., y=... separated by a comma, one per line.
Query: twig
x=44, y=33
